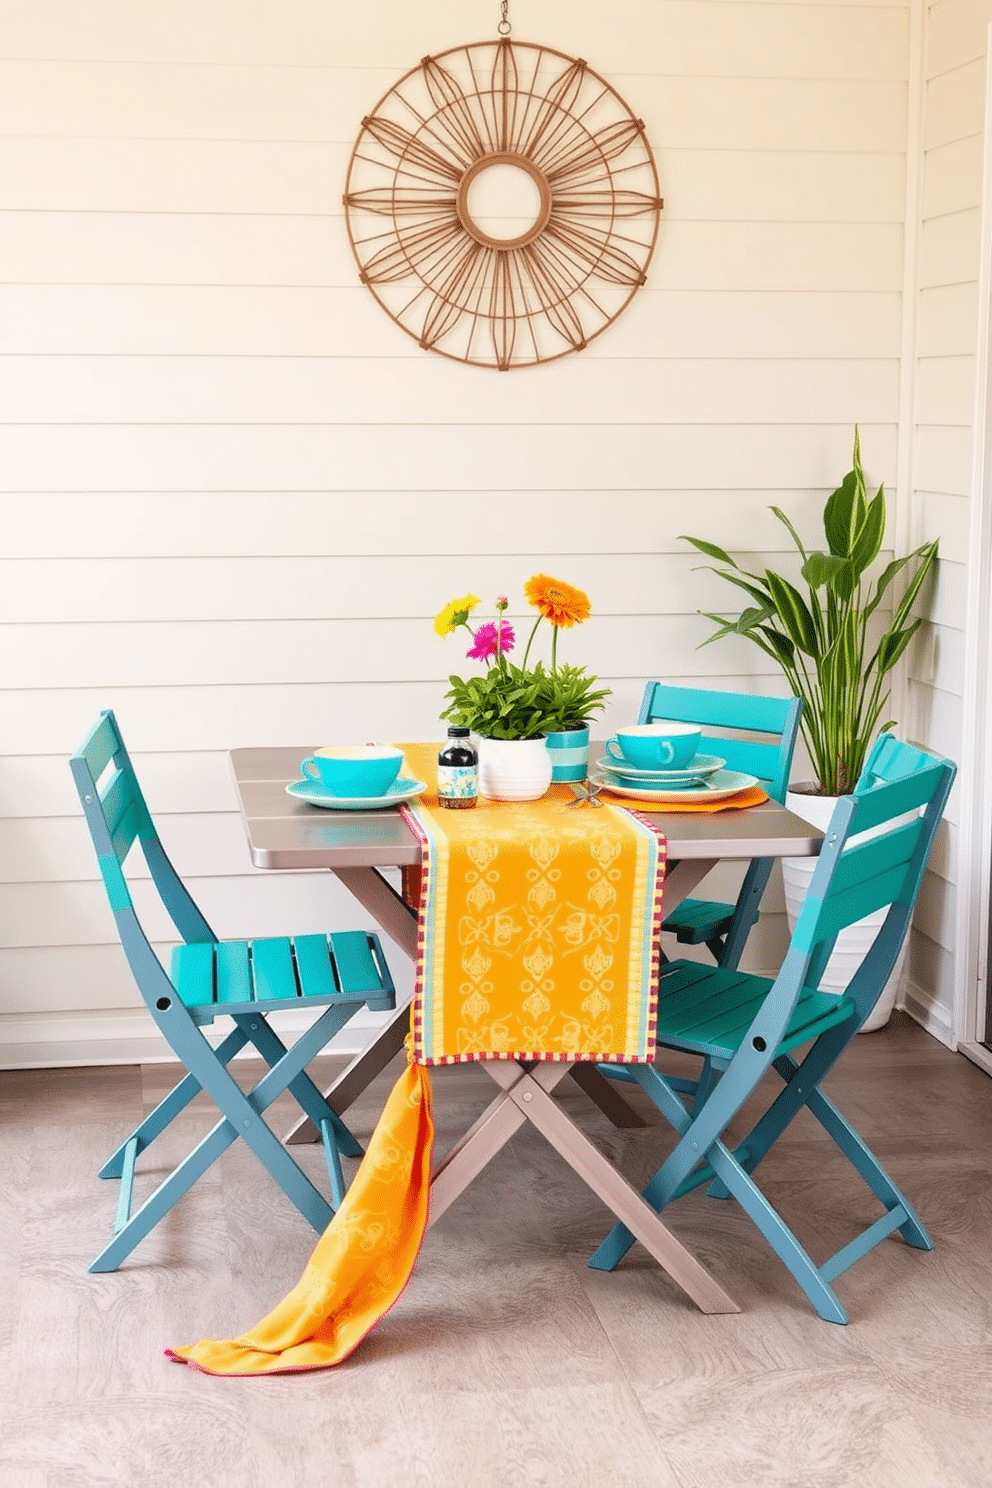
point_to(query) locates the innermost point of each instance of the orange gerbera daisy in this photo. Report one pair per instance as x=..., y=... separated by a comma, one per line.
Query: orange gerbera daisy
x=557, y=601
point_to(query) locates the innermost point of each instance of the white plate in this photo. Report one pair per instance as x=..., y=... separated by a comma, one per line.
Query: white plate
x=724, y=783
x=702, y=766
x=311, y=791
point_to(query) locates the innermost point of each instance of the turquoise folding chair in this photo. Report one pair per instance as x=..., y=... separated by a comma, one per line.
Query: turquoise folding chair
x=207, y=978
x=724, y=928
x=741, y=1025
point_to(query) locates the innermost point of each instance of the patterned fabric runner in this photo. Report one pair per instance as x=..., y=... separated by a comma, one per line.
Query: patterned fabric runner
x=538, y=929
x=538, y=940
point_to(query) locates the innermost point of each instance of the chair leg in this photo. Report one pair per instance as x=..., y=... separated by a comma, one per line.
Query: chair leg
x=861, y=1157
x=305, y=1092
x=666, y=1185
x=169, y=1108
x=242, y=1118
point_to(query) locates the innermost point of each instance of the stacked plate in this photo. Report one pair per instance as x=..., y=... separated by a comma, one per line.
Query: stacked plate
x=704, y=778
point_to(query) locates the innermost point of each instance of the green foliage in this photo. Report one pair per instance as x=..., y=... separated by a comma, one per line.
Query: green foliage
x=511, y=702
x=570, y=696
x=820, y=639
x=505, y=702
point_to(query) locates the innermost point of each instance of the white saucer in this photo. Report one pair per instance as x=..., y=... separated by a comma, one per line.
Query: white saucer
x=311, y=791
x=723, y=783
x=701, y=767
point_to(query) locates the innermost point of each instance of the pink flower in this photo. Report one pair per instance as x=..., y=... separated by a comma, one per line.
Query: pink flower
x=490, y=639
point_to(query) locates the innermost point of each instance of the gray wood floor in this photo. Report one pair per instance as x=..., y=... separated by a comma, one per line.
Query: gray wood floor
x=506, y=1361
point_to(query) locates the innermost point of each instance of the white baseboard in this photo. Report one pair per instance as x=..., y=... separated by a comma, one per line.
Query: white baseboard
x=61, y=1041
x=919, y=1004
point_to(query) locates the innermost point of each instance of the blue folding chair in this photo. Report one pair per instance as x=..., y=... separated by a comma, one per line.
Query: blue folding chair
x=724, y=928
x=741, y=1025
x=207, y=978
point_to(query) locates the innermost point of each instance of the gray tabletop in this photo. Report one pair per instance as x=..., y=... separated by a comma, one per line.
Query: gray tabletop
x=285, y=833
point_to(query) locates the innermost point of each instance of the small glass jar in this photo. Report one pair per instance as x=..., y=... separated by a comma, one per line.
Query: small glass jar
x=458, y=772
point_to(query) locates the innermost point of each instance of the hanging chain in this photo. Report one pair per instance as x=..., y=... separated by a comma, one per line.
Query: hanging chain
x=504, y=28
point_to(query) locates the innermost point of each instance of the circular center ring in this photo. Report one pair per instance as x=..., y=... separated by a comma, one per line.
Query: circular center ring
x=520, y=162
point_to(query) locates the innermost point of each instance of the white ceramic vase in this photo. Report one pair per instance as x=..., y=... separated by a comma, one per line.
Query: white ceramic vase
x=513, y=769
x=852, y=943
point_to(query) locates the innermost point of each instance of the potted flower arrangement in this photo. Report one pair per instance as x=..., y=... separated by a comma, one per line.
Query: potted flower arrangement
x=535, y=705
x=836, y=652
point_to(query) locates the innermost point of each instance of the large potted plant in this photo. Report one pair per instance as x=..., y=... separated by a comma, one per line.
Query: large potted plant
x=837, y=650
x=533, y=705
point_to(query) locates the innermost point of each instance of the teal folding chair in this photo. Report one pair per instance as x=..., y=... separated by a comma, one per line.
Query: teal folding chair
x=740, y=1026
x=766, y=730
x=245, y=980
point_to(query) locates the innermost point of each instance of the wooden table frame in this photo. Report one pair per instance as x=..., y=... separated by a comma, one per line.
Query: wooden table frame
x=356, y=846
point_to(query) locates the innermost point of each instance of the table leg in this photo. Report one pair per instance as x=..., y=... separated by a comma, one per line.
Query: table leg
x=526, y=1097
x=399, y=922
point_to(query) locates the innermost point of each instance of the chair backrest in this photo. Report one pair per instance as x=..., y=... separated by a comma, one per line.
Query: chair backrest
x=873, y=857
x=118, y=818
x=768, y=758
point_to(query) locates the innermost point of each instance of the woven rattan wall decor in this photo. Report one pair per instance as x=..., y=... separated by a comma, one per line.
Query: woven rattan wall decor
x=574, y=255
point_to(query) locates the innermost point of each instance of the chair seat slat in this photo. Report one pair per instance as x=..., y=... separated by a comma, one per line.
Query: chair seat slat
x=357, y=971
x=273, y=973
x=313, y=962
x=192, y=973
x=233, y=975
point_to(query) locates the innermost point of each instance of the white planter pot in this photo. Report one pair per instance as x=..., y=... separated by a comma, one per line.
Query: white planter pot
x=513, y=769
x=853, y=942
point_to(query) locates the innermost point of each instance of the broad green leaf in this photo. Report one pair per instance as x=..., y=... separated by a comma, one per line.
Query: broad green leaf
x=892, y=646
x=927, y=554
x=744, y=581
x=710, y=549
x=820, y=568
x=868, y=544
x=795, y=535
x=885, y=579
x=793, y=613
x=843, y=516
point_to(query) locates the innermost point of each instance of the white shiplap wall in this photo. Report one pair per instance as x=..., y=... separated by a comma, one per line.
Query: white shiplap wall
x=234, y=493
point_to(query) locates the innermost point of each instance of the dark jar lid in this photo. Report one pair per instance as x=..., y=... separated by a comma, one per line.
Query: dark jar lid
x=458, y=733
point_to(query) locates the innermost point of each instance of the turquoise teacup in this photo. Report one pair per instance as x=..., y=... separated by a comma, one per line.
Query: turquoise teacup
x=662, y=745
x=354, y=769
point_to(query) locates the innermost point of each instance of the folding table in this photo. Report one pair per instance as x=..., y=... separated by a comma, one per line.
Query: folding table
x=356, y=847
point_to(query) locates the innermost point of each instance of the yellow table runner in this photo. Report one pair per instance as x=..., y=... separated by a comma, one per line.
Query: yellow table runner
x=538, y=929
x=537, y=939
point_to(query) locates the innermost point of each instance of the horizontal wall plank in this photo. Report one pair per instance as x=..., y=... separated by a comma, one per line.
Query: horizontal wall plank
x=228, y=653
x=946, y=515
x=956, y=34
x=41, y=786
x=222, y=457
x=306, y=177
x=157, y=719
x=230, y=320
x=943, y=459
x=954, y=104
x=283, y=588
x=143, y=389
x=543, y=527
x=709, y=37
x=952, y=178
x=938, y=653
x=949, y=249
x=945, y=389
x=936, y=910
x=681, y=110
x=948, y=322
x=77, y=914
x=313, y=252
